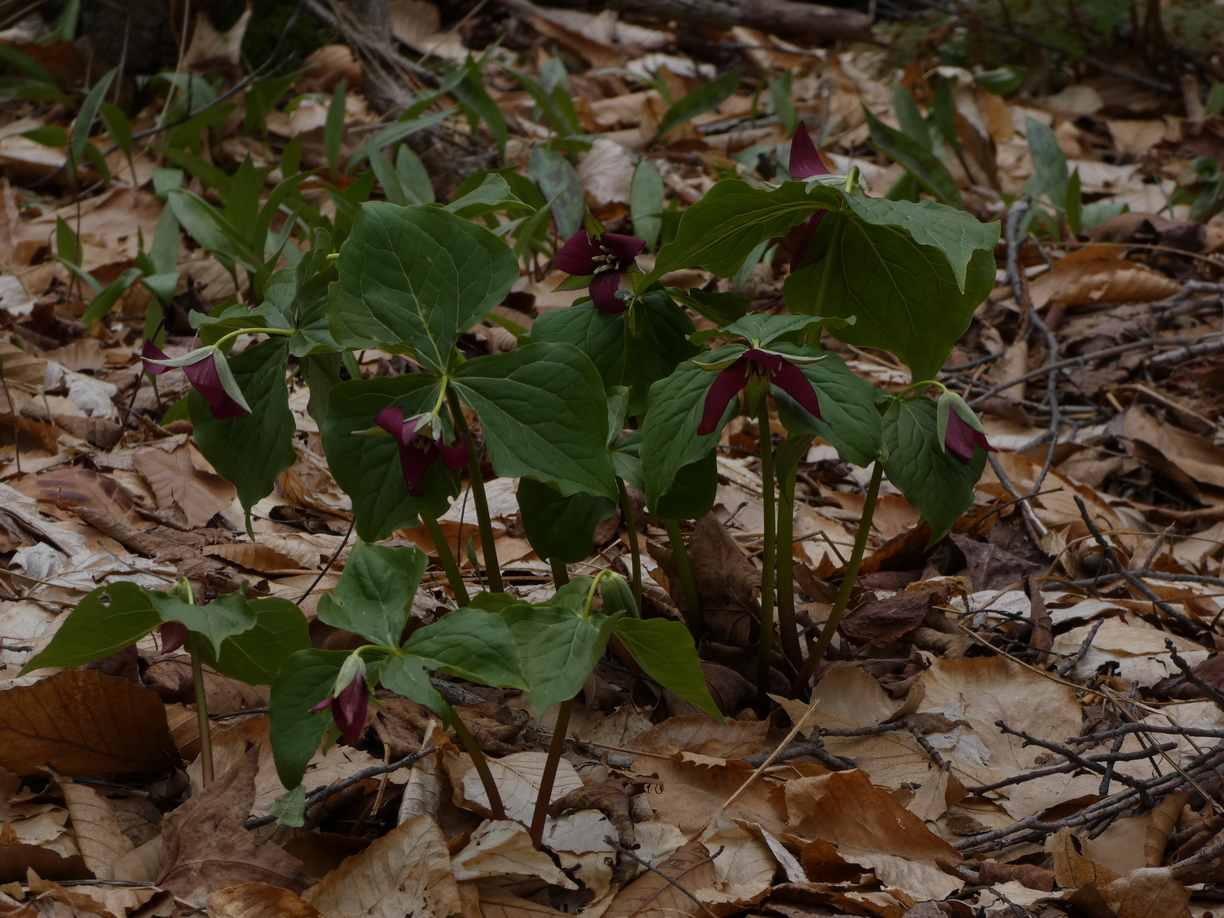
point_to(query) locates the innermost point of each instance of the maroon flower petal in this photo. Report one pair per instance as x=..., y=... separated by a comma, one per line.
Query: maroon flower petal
x=603, y=293
x=203, y=375
x=979, y=438
x=960, y=438
x=391, y=420
x=804, y=160
x=455, y=457
x=416, y=456
x=322, y=705
x=350, y=709
x=152, y=350
x=790, y=379
x=173, y=634
x=578, y=255
x=727, y=384
x=805, y=243
x=770, y=361
x=625, y=248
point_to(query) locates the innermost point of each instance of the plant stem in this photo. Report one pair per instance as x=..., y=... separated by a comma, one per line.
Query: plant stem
x=560, y=573
x=847, y=584
x=446, y=557
x=635, y=555
x=201, y=698
x=765, y=644
x=476, y=483
x=549, y=777
x=480, y=762
x=786, y=564
x=684, y=566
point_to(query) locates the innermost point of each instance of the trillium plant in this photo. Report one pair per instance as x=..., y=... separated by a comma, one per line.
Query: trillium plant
x=621, y=389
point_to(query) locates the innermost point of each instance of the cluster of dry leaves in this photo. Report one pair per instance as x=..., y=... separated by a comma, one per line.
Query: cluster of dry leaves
x=1026, y=720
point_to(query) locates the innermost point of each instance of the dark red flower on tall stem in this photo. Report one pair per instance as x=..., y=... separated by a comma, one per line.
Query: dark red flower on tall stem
x=761, y=364
x=202, y=375
x=417, y=450
x=960, y=439
x=804, y=163
x=606, y=257
x=350, y=703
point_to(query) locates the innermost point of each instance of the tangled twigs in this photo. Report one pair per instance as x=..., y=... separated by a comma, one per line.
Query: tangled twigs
x=1213, y=693
x=1093, y=763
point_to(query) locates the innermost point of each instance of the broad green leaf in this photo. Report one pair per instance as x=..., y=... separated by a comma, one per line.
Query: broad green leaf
x=693, y=491
x=780, y=102
x=700, y=100
x=256, y=655
x=558, y=181
x=104, y=622
x=1050, y=174
x=27, y=65
x=903, y=296
x=1003, y=80
x=491, y=195
x=544, y=414
x=847, y=402
x=416, y=276
x=733, y=218
x=305, y=680
x=405, y=675
x=368, y=467
x=560, y=528
x=666, y=653
x=956, y=233
x=413, y=177
x=917, y=157
x=634, y=348
x=84, y=119
x=938, y=485
x=249, y=451
x=669, y=436
x=720, y=308
x=646, y=203
x=472, y=644
x=374, y=594
x=558, y=650
x=223, y=618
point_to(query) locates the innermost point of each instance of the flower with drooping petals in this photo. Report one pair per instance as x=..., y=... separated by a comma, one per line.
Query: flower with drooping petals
x=349, y=700
x=804, y=163
x=417, y=449
x=761, y=364
x=203, y=376
x=605, y=257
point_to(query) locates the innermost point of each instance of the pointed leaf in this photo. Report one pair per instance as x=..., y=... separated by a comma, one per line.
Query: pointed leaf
x=375, y=592
x=558, y=649
x=224, y=617
x=305, y=680
x=916, y=156
x=700, y=100
x=848, y=404
x=669, y=436
x=471, y=644
x=560, y=528
x=104, y=622
x=666, y=653
x=405, y=675
x=256, y=655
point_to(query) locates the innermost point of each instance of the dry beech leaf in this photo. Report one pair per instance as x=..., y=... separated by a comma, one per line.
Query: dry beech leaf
x=83, y=723
x=655, y=896
x=406, y=872
x=606, y=172
x=744, y=870
x=255, y=556
x=497, y=903
x=96, y=827
x=183, y=479
x=1072, y=869
x=16, y=860
x=1150, y=892
x=1100, y=274
x=869, y=827
x=518, y=779
x=72, y=487
x=503, y=849
x=207, y=848
x=258, y=900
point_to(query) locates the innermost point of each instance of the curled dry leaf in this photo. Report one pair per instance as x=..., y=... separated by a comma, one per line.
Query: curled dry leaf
x=1100, y=274
x=258, y=900
x=663, y=894
x=406, y=872
x=96, y=827
x=503, y=849
x=83, y=723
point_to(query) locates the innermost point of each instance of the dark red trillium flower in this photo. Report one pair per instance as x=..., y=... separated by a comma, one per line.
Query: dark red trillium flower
x=416, y=450
x=606, y=256
x=203, y=376
x=774, y=367
x=173, y=634
x=960, y=439
x=349, y=707
x=804, y=163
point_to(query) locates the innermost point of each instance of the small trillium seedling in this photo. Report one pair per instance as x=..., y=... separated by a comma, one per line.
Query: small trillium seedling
x=605, y=257
x=417, y=449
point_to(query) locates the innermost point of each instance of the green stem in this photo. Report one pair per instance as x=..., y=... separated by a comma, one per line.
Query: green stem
x=786, y=565
x=685, y=567
x=480, y=762
x=476, y=483
x=446, y=557
x=278, y=332
x=635, y=555
x=847, y=585
x=765, y=644
x=201, y=699
x=549, y=777
x=560, y=573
